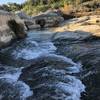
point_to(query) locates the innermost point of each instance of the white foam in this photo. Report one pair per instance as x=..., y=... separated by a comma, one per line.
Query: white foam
x=29, y=53
x=48, y=46
x=61, y=58
x=74, y=88
x=24, y=90
x=74, y=69
x=12, y=77
x=1, y=96
x=35, y=43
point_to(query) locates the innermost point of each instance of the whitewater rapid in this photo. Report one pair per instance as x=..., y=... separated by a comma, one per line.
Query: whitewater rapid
x=70, y=85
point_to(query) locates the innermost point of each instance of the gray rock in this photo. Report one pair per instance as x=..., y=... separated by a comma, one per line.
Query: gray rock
x=22, y=15
x=7, y=34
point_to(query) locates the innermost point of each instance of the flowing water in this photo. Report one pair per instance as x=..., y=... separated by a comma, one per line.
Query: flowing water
x=46, y=75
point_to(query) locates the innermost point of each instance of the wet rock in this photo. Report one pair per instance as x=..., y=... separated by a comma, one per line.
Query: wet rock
x=7, y=91
x=48, y=75
x=2, y=69
x=92, y=81
x=70, y=35
x=48, y=78
x=87, y=51
x=10, y=87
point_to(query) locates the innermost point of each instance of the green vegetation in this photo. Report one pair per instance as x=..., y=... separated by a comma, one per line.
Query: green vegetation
x=12, y=7
x=33, y=7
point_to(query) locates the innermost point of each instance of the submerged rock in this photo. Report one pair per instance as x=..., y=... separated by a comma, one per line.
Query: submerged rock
x=49, y=77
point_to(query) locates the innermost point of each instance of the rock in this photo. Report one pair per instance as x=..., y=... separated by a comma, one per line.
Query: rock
x=11, y=26
x=87, y=51
x=29, y=23
x=52, y=19
x=22, y=15
x=17, y=28
x=6, y=36
x=70, y=35
x=79, y=39
x=44, y=76
x=41, y=22
x=49, y=20
x=2, y=69
x=92, y=82
x=10, y=87
x=86, y=24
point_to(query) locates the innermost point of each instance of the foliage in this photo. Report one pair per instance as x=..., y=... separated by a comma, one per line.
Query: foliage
x=36, y=6
x=12, y=7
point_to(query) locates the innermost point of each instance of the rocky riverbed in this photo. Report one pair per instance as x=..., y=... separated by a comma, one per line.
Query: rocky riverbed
x=38, y=71
x=51, y=65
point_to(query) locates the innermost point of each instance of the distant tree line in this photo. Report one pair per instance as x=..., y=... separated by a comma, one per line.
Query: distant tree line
x=11, y=7
x=36, y=6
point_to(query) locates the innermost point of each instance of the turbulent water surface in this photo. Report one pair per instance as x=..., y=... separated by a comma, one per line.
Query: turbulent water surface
x=31, y=69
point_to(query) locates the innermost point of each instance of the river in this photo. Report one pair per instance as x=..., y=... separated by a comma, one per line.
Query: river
x=31, y=69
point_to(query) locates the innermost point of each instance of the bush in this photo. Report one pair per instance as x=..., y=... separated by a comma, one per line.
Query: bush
x=42, y=8
x=34, y=8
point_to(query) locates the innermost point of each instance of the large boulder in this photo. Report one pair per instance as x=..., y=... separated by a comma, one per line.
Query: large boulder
x=51, y=19
x=6, y=35
x=11, y=27
x=17, y=28
x=47, y=19
x=29, y=23
x=22, y=15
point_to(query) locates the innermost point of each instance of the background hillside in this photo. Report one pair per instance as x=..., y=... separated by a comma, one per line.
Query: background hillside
x=33, y=7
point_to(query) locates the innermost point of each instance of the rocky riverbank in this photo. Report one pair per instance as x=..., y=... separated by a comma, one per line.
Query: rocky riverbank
x=42, y=20
x=53, y=63
x=79, y=39
x=90, y=24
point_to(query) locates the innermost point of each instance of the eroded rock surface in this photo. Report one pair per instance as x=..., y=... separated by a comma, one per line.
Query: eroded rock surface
x=87, y=51
x=7, y=33
x=50, y=19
